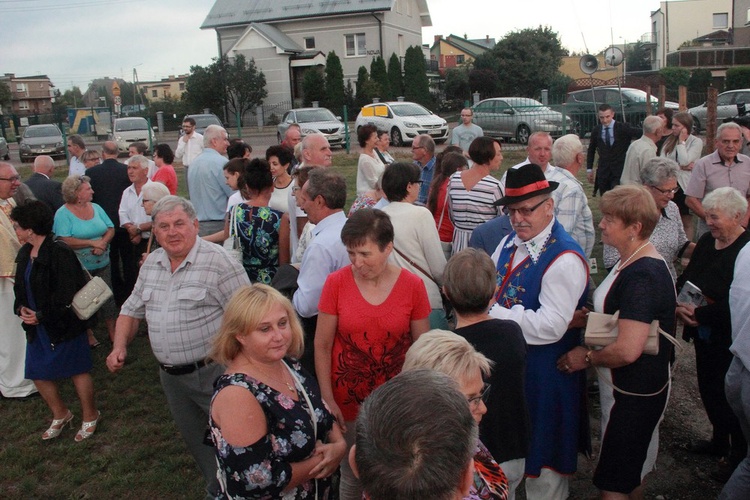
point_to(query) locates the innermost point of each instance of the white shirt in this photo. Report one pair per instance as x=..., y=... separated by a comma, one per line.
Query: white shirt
x=187, y=151
x=76, y=167
x=562, y=287
x=131, y=208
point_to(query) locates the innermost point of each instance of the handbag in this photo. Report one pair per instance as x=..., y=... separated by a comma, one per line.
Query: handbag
x=91, y=297
x=232, y=244
x=447, y=245
x=447, y=307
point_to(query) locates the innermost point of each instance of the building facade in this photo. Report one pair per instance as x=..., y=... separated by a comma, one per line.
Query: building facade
x=31, y=95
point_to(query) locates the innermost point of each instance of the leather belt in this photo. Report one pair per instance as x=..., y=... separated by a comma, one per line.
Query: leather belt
x=184, y=369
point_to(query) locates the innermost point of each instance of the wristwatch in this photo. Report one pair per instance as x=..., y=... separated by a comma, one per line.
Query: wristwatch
x=588, y=358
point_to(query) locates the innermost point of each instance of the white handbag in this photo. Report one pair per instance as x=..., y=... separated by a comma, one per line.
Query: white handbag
x=232, y=244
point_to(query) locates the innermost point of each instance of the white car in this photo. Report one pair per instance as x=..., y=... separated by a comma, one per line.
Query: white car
x=311, y=121
x=403, y=120
x=132, y=129
x=726, y=107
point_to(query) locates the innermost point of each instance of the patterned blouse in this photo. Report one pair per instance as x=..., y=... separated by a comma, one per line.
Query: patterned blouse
x=263, y=470
x=258, y=232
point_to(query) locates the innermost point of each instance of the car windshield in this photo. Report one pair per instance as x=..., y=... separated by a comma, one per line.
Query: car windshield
x=524, y=102
x=205, y=121
x=131, y=124
x=315, y=115
x=42, y=132
x=637, y=95
x=409, y=109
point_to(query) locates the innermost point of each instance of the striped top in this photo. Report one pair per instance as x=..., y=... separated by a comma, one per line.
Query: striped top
x=472, y=208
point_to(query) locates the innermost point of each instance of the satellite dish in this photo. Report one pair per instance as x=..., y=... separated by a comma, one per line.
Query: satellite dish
x=588, y=64
x=613, y=56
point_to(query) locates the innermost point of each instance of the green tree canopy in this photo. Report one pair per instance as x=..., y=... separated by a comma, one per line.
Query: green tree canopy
x=204, y=88
x=700, y=81
x=395, y=78
x=457, y=85
x=246, y=85
x=334, y=85
x=313, y=86
x=6, y=96
x=416, y=84
x=738, y=77
x=675, y=77
x=483, y=81
x=379, y=75
x=362, y=97
x=638, y=57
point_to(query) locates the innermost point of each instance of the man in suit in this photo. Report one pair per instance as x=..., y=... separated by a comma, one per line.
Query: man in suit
x=611, y=140
x=45, y=189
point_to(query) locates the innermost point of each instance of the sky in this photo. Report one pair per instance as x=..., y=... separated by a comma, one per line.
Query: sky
x=75, y=41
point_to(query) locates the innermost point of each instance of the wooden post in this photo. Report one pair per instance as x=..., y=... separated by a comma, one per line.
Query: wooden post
x=649, y=110
x=711, y=119
x=683, y=98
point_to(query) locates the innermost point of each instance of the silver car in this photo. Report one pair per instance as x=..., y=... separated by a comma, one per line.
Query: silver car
x=4, y=151
x=41, y=140
x=726, y=107
x=517, y=118
x=126, y=131
x=312, y=120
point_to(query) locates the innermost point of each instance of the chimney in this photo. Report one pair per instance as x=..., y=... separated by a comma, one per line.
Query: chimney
x=438, y=38
x=487, y=38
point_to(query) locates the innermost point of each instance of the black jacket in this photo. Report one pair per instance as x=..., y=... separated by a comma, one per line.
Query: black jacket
x=56, y=276
x=47, y=190
x=108, y=180
x=611, y=158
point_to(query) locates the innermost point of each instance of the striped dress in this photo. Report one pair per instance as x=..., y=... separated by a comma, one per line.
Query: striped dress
x=472, y=208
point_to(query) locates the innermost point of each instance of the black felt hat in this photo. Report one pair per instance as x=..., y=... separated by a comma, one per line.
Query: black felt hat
x=525, y=182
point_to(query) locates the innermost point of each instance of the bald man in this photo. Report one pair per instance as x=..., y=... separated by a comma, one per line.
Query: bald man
x=45, y=188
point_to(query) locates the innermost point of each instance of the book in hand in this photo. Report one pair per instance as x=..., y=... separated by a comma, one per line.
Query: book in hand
x=691, y=294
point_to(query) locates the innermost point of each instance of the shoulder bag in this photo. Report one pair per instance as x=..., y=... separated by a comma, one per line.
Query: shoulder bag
x=232, y=244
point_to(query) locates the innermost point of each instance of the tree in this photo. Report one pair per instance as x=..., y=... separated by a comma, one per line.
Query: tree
x=487, y=60
x=6, y=96
x=738, y=77
x=457, y=87
x=379, y=75
x=313, y=87
x=362, y=97
x=638, y=57
x=349, y=97
x=698, y=85
x=558, y=88
x=483, y=81
x=528, y=60
x=204, y=88
x=334, y=85
x=245, y=85
x=416, y=84
x=395, y=78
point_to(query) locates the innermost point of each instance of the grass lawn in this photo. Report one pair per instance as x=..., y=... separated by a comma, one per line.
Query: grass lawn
x=137, y=451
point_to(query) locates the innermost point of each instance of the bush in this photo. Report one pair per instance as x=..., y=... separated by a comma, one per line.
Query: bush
x=737, y=78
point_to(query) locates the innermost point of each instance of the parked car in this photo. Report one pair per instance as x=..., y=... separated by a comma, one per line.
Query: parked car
x=519, y=117
x=726, y=107
x=4, y=150
x=126, y=131
x=582, y=105
x=404, y=121
x=202, y=121
x=41, y=140
x=312, y=120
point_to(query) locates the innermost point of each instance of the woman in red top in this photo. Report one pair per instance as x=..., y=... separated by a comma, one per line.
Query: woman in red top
x=448, y=162
x=369, y=314
x=163, y=158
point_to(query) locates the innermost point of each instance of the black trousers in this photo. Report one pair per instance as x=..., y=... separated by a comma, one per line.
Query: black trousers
x=308, y=358
x=120, y=254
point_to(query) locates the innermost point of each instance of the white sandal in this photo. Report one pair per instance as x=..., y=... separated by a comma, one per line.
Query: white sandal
x=83, y=432
x=58, y=424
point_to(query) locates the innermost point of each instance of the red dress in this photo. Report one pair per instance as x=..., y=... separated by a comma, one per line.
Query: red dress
x=371, y=341
x=167, y=176
x=445, y=228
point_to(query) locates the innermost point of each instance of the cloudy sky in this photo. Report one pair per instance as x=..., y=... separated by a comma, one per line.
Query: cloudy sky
x=75, y=41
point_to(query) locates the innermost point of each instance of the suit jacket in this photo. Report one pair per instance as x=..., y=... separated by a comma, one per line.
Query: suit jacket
x=109, y=179
x=611, y=158
x=47, y=190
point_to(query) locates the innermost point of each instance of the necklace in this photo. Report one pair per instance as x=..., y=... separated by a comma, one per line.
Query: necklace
x=282, y=382
x=623, y=264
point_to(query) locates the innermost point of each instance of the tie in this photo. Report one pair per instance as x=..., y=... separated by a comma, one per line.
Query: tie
x=607, y=136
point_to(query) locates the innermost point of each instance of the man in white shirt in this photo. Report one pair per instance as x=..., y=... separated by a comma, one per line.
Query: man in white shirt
x=189, y=146
x=76, y=148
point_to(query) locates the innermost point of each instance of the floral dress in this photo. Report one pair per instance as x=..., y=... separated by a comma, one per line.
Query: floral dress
x=263, y=469
x=258, y=232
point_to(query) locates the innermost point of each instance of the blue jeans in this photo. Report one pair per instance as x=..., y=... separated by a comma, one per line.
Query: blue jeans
x=737, y=388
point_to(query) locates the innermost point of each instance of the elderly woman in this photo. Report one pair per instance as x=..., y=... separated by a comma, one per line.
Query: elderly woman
x=659, y=175
x=641, y=289
x=381, y=148
x=91, y=158
x=472, y=193
x=709, y=324
x=370, y=313
x=163, y=159
x=263, y=232
x=280, y=158
x=416, y=244
x=454, y=356
x=86, y=228
x=48, y=275
x=470, y=283
x=294, y=444
x=685, y=149
x=369, y=166
x=446, y=164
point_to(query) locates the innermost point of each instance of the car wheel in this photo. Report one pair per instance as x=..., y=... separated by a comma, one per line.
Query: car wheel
x=696, y=126
x=396, y=139
x=7, y=157
x=440, y=141
x=522, y=134
x=278, y=137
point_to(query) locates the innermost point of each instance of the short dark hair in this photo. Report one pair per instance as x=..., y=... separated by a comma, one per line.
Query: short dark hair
x=427, y=142
x=257, y=176
x=482, y=149
x=237, y=148
x=164, y=151
x=605, y=107
x=364, y=132
x=34, y=215
x=77, y=140
x=139, y=146
x=396, y=179
x=415, y=438
x=190, y=120
x=328, y=184
x=367, y=224
x=282, y=153
x=470, y=281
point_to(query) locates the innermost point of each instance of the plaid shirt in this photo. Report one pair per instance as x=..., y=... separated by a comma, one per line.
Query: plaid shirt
x=184, y=308
x=572, y=208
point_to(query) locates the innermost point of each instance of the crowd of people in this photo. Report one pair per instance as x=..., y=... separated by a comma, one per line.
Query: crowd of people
x=429, y=343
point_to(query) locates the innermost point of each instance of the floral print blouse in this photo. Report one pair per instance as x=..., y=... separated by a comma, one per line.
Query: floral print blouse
x=263, y=470
x=258, y=232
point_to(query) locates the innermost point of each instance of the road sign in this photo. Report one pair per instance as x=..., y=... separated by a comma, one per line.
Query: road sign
x=115, y=89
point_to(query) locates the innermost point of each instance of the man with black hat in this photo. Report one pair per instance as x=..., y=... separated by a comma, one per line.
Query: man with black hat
x=542, y=278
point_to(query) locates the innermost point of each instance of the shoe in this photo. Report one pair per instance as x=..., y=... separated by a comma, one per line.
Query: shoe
x=83, y=432
x=57, y=426
x=704, y=447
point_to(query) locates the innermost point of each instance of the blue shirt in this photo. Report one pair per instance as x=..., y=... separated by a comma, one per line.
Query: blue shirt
x=208, y=189
x=426, y=177
x=68, y=225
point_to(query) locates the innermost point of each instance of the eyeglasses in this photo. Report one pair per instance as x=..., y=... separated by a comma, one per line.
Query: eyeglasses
x=417, y=147
x=666, y=191
x=15, y=178
x=483, y=396
x=525, y=212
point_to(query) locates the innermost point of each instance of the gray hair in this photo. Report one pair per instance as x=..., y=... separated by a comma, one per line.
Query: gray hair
x=77, y=140
x=170, y=203
x=651, y=124
x=727, y=200
x=565, y=149
x=71, y=185
x=428, y=143
x=309, y=139
x=658, y=170
x=140, y=160
x=154, y=191
x=328, y=184
x=212, y=132
x=44, y=164
x=728, y=126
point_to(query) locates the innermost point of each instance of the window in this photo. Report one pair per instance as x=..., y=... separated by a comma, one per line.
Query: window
x=154, y=93
x=356, y=45
x=182, y=86
x=21, y=87
x=309, y=42
x=721, y=20
x=23, y=104
x=460, y=59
